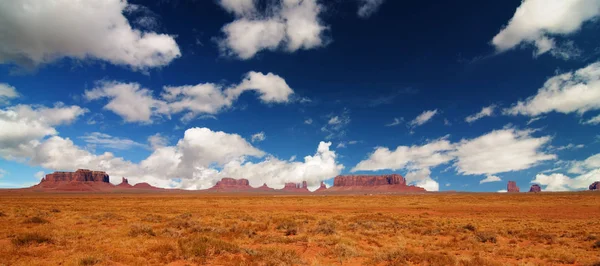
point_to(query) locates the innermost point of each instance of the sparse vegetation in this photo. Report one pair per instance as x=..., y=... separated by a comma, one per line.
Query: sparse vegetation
x=192, y=229
x=30, y=238
x=36, y=220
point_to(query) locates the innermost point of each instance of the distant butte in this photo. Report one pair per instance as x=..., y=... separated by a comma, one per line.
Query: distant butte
x=84, y=180
x=393, y=183
x=512, y=187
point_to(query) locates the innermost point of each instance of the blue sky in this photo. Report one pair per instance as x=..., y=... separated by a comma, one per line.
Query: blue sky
x=453, y=96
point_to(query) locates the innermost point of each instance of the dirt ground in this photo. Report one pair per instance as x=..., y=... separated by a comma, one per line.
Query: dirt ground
x=197, y=229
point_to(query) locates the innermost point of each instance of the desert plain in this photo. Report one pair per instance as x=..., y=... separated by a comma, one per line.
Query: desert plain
x=255, y=229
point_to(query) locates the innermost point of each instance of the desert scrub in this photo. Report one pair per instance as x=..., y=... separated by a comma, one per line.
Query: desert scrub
x=36, y=220
x=325, y=227
x=484, y=237
x=470, y=227
x=202, y=247
x=140, y=229
x=88, y=261
x=276, y=256
x=30, y=238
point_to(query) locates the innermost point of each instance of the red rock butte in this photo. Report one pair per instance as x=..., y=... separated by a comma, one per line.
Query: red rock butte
x=296, y=187
x=372, y=184
x=535, y=188
x=512, y=187
x=84, y=180
x=595, y=186
x=228, y=184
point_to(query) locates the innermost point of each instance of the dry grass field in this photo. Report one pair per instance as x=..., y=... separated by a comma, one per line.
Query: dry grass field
x=195, y=229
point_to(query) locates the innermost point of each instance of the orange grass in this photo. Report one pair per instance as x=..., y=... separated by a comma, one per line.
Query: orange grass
x=197, y=229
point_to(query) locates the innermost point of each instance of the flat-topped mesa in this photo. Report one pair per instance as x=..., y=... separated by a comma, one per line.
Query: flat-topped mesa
x=81, y=175
x=369, y=180
x=512, y=187
x=393, y=183
x=535, y=188
x=232, y=184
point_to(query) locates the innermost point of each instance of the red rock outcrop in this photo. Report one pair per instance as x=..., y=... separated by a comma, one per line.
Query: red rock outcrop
x=230, y=184
x=146, y=186
x=295, y=188
x=80, y=180
x=535, y=188
x=512, y=187
x=595, y=186
x=322, y=188
x=372, y=184
x=264, y=187
x=124, y=183
x=81, y=175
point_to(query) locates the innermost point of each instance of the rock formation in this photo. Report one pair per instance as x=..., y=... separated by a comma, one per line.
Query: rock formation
x=232, y=185
x=124, y=183
x=81, y=175
x=372, y=183
x=322, y=188
x=145, y=186
x=535, y=188
x=295, y=188
x=512, y=187
x=595, y=186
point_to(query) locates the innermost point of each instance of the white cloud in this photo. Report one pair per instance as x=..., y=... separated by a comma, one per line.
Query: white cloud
x=569, y=146
x=368, y=7
x=308, y=121
x=108, y=141
x=500, y=151
x=21, y=126
x=7, y=93
x=490, y=178
x=485, y=111
x=535, y=119
x=157, y=140
x=291, y=24
x=204, y=98
x=41, y=32
x=258, y=137
x=343, y=144
x=535, y=20
x=577, y=91
x=397, y=121
x=579, y=167
x=561, y=182
x=2, y=173
x=423, y=118
x=239, y=7
x=422, y=178
x=122, y=98
x=336, y=125
x=502, y=191
x=404, y=157
x=593, y=121
x=40, y=174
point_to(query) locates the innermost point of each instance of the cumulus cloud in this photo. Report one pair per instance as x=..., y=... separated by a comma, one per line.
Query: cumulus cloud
x=7, y=93
x=535, y=21
x=485, y=111
x=197, y=161
x=580, y=167
x=423, y=118
x=368, y=7
x=40, y=32
x=308, y=121
x=490, y=178
x=500, y=151
x=204, y=98
x=561, y=182
x=21, y=126
x=431, y=154
x=290, y=25
x=98, y=139
x=422, y=178
x=577, y=91
x=40, y=174
x=258, y=137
